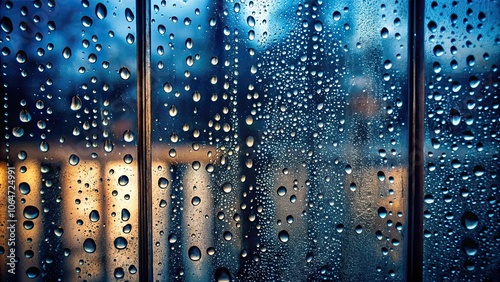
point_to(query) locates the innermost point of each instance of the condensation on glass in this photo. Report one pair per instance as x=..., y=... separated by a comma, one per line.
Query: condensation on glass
x=279, y=140
x=69, y=129
x=461, y=212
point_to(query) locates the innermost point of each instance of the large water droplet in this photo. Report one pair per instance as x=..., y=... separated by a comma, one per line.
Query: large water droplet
x=120, y=243
x=32, y=272
x=119, y=273
x=283, y=236
x=6, y=25
x=194, y=253
x=474, y=81
x=129, y=15
x=66, y=53
x=124, y=73
x=94, y=216
x=108, y=146
x=123, y=180
x=438, y=50
x=76, y=103
x=251, y=21
x=21, y=57
x=74, y=159
x=18, y=131
x=222, y=275
x=469, y=246
x=318, y=26
x=100, y=11
x=163, y=182
x=382, y=212
x=24, y=188
x=31, y=212
x=128, y=136
x=336, y=16
x=44, y=146
x=455, y=117
x=86, y=21
x=89, y=245
x=470, y=220
x=125, y=215
x=227, y=187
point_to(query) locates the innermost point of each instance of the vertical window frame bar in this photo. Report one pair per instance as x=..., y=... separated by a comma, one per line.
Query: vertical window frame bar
x=416, y=138
x=143, y=24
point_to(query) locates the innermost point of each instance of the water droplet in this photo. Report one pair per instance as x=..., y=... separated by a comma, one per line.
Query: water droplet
x=18, y=131
x=44, y=146
x=281, y=191
x=76, y=103
x=120, y=243
x=479, y=171
x=100, y=11
x=125, y=215
x=130, y=38
x=384, y=33
x=382, y=212
x=124, y=73
x=251, y=21
x=167, y=87
x=21, y=57
x=358, y=229
x=470, y=220
x=6, y=25
x=432, y=26
x=283, y=236
x=86, y=21
x=123, y=180
x=31, y=212
x=222, y=275
x=194, y=253
x=469, y=246
x=32, y=272
x=195, y=201
x=438, y=50
x=336, y=15
x=108, y=146
x=455, y=117
x=129, y=15
x=24, y=188
x=348, y=169
x=94, y=216
x=74, y=160
x=227, y=187
x=128, y=158
x=318, y=26
x=89, y=245
x=163, y=182
x=381, y=175
x=474, y=81
x=66, y=53
x=128, y=136
x=162, y=29
x=189, y=43
x=119, y=273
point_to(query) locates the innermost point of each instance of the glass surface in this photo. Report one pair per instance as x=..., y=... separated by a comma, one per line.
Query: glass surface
x=461, y=215
x=279, y=140
x=68, y=125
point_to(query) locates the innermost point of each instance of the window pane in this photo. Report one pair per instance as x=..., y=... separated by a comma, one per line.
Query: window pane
x=69, y=100
x=279, y=140
x=461, y=215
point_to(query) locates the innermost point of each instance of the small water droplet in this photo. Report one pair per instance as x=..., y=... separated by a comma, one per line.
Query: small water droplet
x=384, y=33
x=382, y=212
x=195, y=201
x=32, y=272
x=348, y=169
x=108, y=146
x=119, y=273
x=130, y=38
x=318, y=26
x=281, y=191
x=128, y=136
x=44, y=146
x=163, y=182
